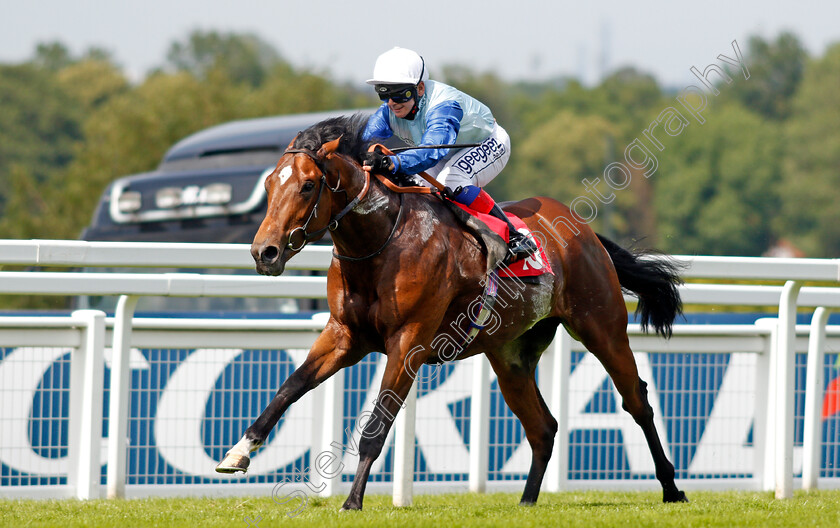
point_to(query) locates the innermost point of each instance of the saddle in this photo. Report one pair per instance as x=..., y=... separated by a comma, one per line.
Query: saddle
x=494, y=245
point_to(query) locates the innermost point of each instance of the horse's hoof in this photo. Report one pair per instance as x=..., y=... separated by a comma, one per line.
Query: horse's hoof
x=350, y=506
x=676, y=496
x=233, y=464
x=527, y=503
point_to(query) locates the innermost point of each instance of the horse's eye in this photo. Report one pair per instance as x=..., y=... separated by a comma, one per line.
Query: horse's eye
x=307, y=186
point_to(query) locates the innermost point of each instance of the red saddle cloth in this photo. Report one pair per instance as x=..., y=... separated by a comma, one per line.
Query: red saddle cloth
x=533, y=266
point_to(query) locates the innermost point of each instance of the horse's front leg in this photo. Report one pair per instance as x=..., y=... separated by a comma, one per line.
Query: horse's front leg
x=399, y=376
x=333, y=350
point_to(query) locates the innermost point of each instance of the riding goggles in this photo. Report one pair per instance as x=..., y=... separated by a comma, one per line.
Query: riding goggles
x=398, y=93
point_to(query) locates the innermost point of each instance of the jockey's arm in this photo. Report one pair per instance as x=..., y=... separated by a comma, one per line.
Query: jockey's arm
x=378, y=126
x=442, y=125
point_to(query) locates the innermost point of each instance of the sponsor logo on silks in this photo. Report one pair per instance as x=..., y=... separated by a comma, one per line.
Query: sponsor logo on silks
x=489, y=150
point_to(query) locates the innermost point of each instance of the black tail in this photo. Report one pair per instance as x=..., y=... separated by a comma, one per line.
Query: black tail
x=654, y=282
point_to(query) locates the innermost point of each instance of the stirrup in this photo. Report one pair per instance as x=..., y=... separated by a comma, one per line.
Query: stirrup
x=520, y=247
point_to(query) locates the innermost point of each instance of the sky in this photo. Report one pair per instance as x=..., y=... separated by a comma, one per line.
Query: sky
x=518, y=39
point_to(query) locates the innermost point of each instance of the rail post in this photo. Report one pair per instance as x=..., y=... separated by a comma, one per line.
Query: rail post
x=557, y=387
x=325, y=458
x=480, y=424
x=87, y=374
x=404, y=450
x=763, y=425
x=120, y=394
x=813, y=392
x=784, y=387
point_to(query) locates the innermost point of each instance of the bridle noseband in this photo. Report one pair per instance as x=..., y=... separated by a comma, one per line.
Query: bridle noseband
x=332, y=225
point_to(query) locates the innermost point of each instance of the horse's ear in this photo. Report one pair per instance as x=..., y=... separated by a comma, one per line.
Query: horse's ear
x=292, y=142
x=328, y=148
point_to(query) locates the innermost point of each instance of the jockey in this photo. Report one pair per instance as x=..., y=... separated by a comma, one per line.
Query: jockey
x=424, y=112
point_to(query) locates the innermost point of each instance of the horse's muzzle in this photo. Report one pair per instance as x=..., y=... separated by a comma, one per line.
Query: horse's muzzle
x=269, y=259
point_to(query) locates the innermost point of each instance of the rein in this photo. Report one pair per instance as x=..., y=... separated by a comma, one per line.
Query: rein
x=382, y=248
x=333, y=223
x=414, y=189
x=454, y=145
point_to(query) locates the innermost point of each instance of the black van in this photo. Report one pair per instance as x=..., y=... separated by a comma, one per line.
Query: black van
x=207, y=188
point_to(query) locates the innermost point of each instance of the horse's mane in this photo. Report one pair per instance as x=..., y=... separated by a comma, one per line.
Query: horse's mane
x=348, y=128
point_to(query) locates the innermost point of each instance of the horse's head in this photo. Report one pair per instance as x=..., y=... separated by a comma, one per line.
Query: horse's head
x=300, y=198
x=310, y=190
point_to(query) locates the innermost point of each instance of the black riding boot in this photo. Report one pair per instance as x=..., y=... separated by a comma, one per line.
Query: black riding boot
x=519, y=245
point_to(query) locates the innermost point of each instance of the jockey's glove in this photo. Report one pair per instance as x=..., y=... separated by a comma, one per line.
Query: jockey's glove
x=379, y=163
x=449, y=193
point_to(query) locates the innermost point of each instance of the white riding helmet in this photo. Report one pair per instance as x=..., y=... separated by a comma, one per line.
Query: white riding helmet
x=399, y=66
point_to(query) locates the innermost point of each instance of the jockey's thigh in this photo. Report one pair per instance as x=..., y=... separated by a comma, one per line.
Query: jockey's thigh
x=477, y=165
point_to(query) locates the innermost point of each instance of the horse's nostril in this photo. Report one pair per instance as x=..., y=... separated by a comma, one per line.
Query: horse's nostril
x=270, y=254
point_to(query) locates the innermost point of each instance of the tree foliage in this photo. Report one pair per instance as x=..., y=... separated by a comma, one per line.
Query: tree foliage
x=39, y=124
x=92, y=82
x=243, y=58
x=776, y=69
x=763, y=167
x=811, y=184
x=716, y=190
x=52, y=56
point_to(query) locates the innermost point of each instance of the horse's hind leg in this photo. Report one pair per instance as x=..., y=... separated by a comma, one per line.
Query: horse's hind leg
x=664, y=467
x=521, y=394
x=613, y=350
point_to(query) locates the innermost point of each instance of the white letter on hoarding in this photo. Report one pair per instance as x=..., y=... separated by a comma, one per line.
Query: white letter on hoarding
x=181, y=412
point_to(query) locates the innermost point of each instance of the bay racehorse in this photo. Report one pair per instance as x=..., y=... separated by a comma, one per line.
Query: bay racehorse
x=404, y=269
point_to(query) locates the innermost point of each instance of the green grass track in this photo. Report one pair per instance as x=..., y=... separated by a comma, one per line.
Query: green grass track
x=571, y=509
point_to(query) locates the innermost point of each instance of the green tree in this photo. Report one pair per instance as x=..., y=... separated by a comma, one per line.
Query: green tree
x=39, y=124
x=52, y=56
x=554, y=158
x=24, y=212
x=130, y=133
x=45, y=104
x=287, y=91
x=92, y=82
x=242, y=57
x=627, y=98
x=775, y=73
x=717, y=187
x=128, y=129
x=812, y=166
